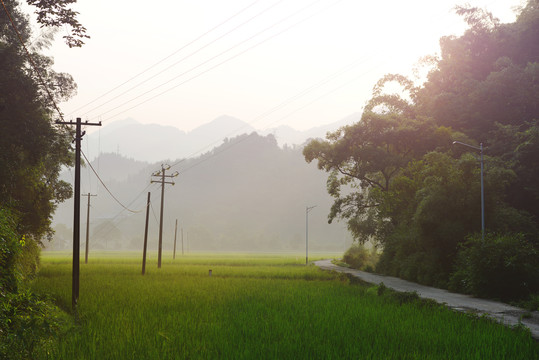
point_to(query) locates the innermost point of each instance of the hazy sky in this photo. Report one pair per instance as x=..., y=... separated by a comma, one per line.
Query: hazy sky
x=301, y=63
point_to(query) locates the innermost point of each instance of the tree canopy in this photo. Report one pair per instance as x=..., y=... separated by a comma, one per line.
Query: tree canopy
x=32, y=152
x=32, y=148
x=397, y=180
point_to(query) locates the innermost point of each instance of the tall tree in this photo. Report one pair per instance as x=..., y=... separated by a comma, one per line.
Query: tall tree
x=409, y=188
x=32, y=148
x=364, y=158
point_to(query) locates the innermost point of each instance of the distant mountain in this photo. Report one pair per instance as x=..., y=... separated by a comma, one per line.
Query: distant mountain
x=156, y=143
x=287, y=135
x=247, y=194
x=144, y=142
x=114, y=167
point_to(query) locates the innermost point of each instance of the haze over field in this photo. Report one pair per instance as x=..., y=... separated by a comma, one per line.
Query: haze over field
x=154, y=142
x=247, y=194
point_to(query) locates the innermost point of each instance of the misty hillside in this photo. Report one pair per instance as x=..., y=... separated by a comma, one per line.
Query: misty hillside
x=153, y=142
x=284, y=134
x=247, y=194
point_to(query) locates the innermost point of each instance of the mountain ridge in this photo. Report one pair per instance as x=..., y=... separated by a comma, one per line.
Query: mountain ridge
x=155, y=142
x=248, y=194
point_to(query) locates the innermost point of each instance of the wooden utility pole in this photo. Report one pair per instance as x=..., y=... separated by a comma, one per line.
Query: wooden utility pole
x=146, y=235
x=182, y=241
x=76, y=217
x=307, y=209
x=162, y=175
x=175, y=233
x=87, y=228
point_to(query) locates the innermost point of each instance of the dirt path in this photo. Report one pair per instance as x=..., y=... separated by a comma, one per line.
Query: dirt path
x=506, y=314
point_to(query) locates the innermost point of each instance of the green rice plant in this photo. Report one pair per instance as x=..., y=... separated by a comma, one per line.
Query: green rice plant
x=255, y=307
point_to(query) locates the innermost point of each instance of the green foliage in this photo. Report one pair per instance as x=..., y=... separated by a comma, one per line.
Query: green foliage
x=396, y=178
x=437, y=203
x=363, y=160
x=28, y=259
x=358, y=257
x=32, y=148
x=257, y=307
x=519, y=146
x=486, y=76
x=401, y=297
x=10, y=248
x=56, y=13
x=501, y=266
x=28, y=325
x=27, y=322
x=530, y=304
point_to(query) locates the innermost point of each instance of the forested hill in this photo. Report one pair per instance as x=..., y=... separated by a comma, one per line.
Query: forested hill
x=247, y=194
x=442, y=216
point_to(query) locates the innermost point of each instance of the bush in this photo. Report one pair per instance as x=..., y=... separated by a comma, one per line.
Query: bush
x=504, y=267
x=28, y=259
x=19, y=255
x=359, y=258
x=9, y=250
x=404, y=256
x=28, y=324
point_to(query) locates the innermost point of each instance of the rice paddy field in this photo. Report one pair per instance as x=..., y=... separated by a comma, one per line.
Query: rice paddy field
x=253, y=307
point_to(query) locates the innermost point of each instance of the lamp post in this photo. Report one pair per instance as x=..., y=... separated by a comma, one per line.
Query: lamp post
x=480, y=148
x=307, y=209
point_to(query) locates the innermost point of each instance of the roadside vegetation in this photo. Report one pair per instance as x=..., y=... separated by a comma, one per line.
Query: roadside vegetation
x=32, y=152
x=256, y=306
x=398, y=180
x=361, y=258
x=407, y=176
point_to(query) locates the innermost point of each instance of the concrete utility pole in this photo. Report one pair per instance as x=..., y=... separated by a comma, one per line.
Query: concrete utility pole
x=162, y=175
x=76, y=217
x=307, y=209
x=175, y=233
x=87, y=228
x=146, y=235
x=182, y=241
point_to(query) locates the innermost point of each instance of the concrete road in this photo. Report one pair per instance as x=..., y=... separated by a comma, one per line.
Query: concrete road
x=506, y=314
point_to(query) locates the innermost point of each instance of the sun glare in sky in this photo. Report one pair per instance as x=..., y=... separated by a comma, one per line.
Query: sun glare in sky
x=299, y=63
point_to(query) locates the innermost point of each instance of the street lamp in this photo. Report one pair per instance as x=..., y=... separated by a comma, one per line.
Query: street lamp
x=480, y=148
x=307, y=209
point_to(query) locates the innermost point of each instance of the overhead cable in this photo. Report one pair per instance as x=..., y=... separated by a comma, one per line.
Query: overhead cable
x=182, y=59
x=214, y=57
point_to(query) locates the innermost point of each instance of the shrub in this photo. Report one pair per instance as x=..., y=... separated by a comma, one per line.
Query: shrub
x=358, y=257
x=28, y=259
x=28, y=323
x=19, y=255
x=504, y=267
x=9, y=250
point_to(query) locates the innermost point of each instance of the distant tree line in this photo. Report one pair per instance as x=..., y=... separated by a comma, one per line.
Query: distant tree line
x=397, y=178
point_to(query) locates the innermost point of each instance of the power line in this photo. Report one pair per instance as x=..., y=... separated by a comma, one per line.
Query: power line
x=277, y=107
x=238, y=141
x=182, y=59
x=281, y=105
x=101, y=230
x=153, y=212
x=162, y=174
x=169, y=56
x=214, y=57
x=105, y=186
